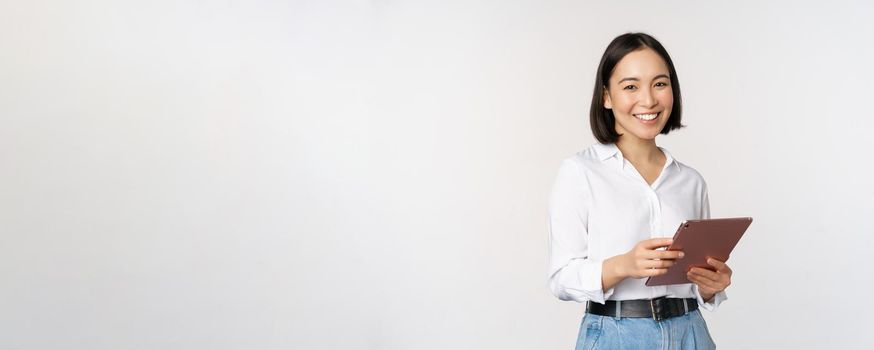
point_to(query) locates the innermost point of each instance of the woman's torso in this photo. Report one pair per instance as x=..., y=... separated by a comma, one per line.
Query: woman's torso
x=625, y=209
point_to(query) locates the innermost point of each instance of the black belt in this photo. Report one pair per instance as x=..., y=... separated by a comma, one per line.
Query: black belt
x=658, y=309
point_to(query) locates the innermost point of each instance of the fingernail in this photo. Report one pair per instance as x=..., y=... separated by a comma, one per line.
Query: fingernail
x=682, y=255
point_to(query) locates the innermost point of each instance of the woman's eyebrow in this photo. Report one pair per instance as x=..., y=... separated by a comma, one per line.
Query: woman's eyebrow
x=636, y=79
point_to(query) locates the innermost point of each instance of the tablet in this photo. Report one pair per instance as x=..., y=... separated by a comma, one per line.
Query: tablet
x=700, y=239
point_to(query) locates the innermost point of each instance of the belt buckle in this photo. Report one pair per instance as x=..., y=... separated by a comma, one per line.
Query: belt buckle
x=655, y=316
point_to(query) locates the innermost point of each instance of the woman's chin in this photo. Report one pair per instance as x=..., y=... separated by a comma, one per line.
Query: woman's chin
x=642, y=132
x=646, y=136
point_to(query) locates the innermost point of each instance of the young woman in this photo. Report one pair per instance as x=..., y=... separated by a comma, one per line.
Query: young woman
x=615, y=203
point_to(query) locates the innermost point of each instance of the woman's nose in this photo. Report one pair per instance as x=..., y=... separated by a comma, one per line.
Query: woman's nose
x=647, y=99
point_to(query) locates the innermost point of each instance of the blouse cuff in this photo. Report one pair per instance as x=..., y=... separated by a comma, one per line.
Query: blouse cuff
x=714, y=302
x=592, y=280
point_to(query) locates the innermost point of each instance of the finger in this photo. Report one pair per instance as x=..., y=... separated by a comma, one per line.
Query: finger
x=719, y=265
x=654, y=243
x=703, y=289
x=669, y=254
x=658, y=263
x=705, y=273
x=662, y=254
x=654, y=272
x=703, y=282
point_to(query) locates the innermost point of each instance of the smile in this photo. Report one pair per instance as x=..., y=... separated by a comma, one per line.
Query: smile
x=647, y=117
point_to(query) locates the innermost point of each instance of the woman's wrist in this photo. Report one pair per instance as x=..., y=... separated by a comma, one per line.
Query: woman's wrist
x=616, y=266
x=612, y=272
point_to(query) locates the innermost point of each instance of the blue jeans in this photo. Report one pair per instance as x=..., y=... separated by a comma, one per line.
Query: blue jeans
x=682, y=332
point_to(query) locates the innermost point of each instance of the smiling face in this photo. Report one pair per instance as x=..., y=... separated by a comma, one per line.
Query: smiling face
x=640, y=95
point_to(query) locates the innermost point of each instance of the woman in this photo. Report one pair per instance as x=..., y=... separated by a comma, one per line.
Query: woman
x=617, y=202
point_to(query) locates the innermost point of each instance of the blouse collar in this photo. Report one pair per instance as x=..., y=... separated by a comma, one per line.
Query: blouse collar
x=610, y=150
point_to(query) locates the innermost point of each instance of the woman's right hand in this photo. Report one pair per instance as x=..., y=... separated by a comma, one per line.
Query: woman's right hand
x=644, y=260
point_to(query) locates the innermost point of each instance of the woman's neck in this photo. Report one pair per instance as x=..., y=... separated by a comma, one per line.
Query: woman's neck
x=639, y=151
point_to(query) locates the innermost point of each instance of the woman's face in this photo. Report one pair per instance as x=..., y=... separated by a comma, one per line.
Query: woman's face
x=640, y=95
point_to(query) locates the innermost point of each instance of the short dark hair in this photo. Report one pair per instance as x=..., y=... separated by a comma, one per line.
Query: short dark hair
x=602, y=120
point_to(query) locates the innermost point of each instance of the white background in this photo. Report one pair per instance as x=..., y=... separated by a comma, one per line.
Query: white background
x=374, y=174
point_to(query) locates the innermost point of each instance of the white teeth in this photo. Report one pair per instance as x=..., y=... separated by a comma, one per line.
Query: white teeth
x=646, y=116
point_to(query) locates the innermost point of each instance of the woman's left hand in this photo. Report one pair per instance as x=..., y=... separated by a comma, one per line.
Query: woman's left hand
x=710, y=282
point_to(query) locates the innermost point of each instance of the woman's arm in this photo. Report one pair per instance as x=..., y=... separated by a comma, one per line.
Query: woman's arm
x=573, y=273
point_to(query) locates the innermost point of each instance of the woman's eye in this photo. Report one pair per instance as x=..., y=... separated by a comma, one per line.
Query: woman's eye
x=661, y=84
x=630, y=87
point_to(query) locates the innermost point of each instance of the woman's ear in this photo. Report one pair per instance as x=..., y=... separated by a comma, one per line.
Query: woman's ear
x=607, y=103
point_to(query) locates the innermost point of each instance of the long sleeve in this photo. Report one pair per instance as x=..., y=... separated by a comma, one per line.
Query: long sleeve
x=573, y=274
x=718, y=298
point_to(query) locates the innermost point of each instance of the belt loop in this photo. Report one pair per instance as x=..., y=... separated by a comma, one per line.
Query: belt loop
x=686, y=305
x=618, y=309
x=655, y=316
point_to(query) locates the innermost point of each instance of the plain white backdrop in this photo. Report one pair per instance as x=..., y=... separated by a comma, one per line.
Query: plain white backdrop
x=374, y=174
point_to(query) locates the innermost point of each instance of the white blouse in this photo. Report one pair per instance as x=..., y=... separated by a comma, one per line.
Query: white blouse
x=601, y=207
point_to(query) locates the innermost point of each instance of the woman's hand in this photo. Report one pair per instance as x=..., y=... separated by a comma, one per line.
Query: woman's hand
x=710, y=282
x=645, y=261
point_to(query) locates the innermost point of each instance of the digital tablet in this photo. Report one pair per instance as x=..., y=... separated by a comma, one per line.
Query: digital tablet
x=700, y=239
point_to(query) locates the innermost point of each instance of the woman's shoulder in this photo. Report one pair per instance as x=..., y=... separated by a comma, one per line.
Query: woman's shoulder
x=690, y=173
x=581, y=161
x=575, y=170
x=593, y=154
